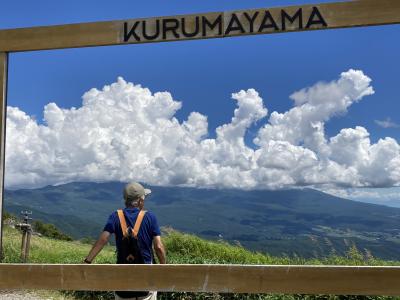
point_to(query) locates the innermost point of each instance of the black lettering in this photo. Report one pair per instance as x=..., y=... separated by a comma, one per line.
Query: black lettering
x=127, y=35
x=206, y=23
x=291, y=19
x=170, y=25
x=195, y=32
x=268, y=22
x=155, y=35
x=234, y=25
x=251, y=20
x=320, y=20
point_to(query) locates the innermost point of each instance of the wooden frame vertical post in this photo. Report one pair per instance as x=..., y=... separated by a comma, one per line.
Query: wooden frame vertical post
x=3, y=118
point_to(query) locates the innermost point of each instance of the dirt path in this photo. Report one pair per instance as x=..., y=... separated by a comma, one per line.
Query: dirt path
x=26, y=295
x=17, y=295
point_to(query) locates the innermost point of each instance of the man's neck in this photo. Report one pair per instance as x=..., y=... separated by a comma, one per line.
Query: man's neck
x=132, y=207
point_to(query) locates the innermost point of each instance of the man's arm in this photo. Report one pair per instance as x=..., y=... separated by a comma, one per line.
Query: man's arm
x=98, y=246
x=160, y=250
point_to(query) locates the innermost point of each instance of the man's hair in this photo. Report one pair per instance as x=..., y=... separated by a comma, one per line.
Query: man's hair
x=130, y=201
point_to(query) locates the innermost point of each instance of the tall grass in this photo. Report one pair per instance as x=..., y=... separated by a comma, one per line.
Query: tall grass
x=186, y=248
x=181, y=249
x=47, y=250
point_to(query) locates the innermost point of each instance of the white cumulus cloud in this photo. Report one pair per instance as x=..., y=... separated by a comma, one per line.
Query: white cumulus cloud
x=125, y=132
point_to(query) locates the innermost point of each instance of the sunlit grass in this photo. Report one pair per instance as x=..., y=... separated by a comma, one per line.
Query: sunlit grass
x=181, y=249
x=46, y=250
x=186, y=248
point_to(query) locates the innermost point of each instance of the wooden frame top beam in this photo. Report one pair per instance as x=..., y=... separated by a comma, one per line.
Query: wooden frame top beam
x=340, y=280
x=201, y=26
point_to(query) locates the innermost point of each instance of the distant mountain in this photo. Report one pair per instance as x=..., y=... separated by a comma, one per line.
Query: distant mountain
x=302, y=222
x=391, y=203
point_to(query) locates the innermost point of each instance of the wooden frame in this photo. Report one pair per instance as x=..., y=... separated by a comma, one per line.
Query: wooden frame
x=196, y=278
x=3, y=116
x=202, y=26
x=339, y=280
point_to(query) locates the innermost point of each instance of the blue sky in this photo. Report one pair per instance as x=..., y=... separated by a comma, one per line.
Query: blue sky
x=275, y=65
x=203, y=74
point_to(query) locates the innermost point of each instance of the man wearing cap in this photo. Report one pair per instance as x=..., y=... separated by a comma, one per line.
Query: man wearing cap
x=147, y=235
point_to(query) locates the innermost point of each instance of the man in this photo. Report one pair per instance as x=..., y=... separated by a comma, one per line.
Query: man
x=147, y=235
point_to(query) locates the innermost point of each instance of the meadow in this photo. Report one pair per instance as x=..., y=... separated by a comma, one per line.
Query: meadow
x=182, y=249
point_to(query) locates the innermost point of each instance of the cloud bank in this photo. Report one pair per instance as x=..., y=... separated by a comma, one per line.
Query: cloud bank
x=125, y=132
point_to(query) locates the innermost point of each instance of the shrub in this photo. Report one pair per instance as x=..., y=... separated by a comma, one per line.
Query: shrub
x=51, y=231
x=7, y=216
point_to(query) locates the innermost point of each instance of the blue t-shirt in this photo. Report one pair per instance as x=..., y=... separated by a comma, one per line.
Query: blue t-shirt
x=148, y=230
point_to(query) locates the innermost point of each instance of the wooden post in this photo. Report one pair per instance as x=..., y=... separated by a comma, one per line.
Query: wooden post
x=26, y=230
x=26, y=240
x=27, y=244
x=23, y=246
x=3, y=108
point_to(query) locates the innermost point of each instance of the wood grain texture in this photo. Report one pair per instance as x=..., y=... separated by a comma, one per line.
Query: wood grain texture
x=205, y=278
x=3, y=105
x=199, y=26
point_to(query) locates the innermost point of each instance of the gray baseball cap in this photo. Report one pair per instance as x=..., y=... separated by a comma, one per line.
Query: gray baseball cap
x=135, y=190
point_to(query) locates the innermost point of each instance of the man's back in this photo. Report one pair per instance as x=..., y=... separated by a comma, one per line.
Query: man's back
x=148, y=230
x=148, y=234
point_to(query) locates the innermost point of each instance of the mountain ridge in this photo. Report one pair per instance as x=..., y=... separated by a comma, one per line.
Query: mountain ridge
x=303, y=222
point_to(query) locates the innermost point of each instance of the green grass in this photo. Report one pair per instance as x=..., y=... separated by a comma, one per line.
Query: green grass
x=185, y=248
x=47, y=250
x=181, y=249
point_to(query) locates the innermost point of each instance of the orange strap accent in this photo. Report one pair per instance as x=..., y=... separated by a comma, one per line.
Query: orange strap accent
x=124, y=227
x=138, y=223
x=122, y=221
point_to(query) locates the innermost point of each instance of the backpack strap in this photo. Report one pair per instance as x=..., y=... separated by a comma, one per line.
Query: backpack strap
x=124, y=227
x=138, y=223
x=122, y=221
